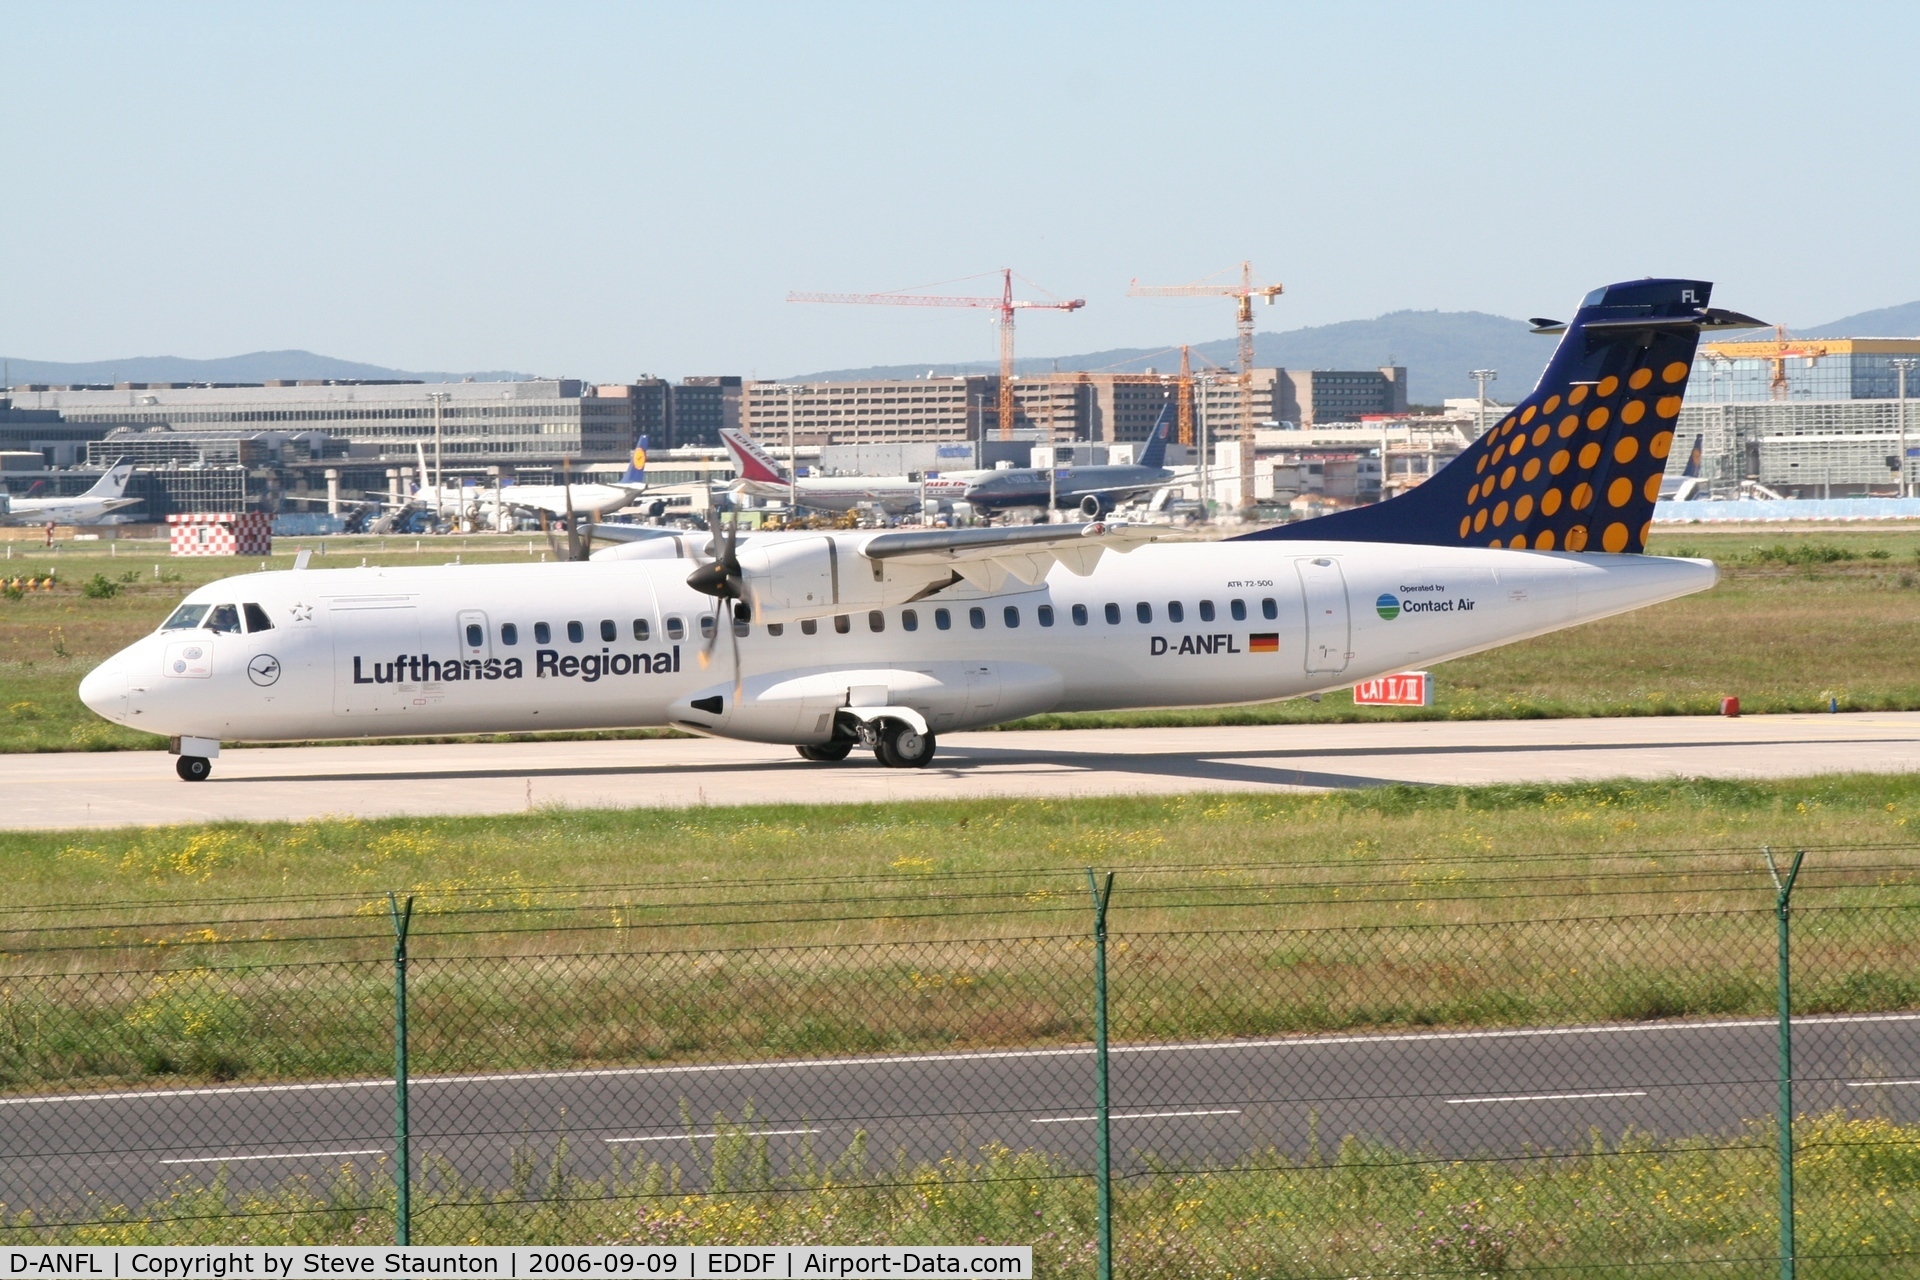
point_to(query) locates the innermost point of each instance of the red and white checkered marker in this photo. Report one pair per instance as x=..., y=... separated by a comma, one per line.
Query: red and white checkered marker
x=221, y=533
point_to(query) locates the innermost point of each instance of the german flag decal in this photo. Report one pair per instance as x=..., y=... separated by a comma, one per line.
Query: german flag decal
x=1264, y=642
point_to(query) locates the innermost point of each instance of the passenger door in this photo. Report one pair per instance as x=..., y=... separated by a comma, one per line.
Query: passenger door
x=1323, y=594
x=371, y=641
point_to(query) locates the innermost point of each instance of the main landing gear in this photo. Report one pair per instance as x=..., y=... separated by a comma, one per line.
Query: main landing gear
x=894, y=743
x=193, y=768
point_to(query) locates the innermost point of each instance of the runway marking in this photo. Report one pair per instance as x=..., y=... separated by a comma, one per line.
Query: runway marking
x=983, y=1055
x=282, y=1155
x=1878, y=1084
x=1136, y=1115
x=675, y=1137
x=1549, y=1097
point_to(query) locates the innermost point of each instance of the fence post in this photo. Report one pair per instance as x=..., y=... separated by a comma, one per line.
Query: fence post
x=1102, y=1111
x=402, y=1158
x=1782, y=905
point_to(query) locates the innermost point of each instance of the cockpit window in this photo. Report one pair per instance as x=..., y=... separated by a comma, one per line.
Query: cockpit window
x=224, y=617
x=257, y=618
x=185, y=618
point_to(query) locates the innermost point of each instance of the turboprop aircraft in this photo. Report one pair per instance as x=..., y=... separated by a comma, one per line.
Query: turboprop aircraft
x=884, y=640
x=107, y=495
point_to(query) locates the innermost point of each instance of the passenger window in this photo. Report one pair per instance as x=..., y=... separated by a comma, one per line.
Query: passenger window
x=942, y=619
x=676, y=628
x=542, y=633
x=1011, y=615
x=909, y=620
x=706, y=626
x=1143, y=611
x=509, y=633
x=876, y=621
x=809, y=626
x=608, y=631
x=576, y=633
x=1268, y=609
x=1206, y=611
x=186, y=617
x=1176, y=612
x=1239, y=610
x=1046, y=615
x=776, y=628
x=1079, y=615
x=742, y=621
x=257, y=618
x=476, y=635
x=977, y=618
x=642, y=630
x=225, y=617
x=842, y=623
x=1113, y=614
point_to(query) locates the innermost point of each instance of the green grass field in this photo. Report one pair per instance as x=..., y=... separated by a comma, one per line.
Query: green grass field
x=1797, y=620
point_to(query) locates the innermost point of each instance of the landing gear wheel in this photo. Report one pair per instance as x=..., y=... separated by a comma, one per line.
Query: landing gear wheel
x=193, y=768
x=825, y=752
x=901, y=746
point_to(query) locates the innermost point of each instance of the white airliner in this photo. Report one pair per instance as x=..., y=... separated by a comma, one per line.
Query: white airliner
x=107, y=495
x=760, y=475
x=884, y=640
x=558, y=500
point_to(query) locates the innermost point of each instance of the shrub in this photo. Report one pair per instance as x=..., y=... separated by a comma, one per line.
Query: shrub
x=99, y=587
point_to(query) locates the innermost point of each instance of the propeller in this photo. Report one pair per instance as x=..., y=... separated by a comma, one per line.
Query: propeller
x=721, y=578
x=574, y=550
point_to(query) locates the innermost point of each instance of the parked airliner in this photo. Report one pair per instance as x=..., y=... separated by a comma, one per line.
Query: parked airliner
x=107, y=495
x=884, y=640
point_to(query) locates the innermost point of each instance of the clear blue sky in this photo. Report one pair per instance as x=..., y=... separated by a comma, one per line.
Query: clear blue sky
x=610, y=190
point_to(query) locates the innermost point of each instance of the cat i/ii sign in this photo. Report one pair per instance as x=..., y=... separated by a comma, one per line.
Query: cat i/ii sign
x=1407, y=689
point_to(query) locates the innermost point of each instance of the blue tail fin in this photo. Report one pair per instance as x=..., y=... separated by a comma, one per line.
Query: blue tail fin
x=1155, y=454
x=1693, y=460
x=1576, y=465
x=636, y=472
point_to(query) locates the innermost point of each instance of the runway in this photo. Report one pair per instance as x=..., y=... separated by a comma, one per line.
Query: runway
x=1431, y=1094
x=105, y=789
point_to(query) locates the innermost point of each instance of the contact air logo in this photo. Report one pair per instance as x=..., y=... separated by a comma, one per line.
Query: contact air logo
x=1388, y=607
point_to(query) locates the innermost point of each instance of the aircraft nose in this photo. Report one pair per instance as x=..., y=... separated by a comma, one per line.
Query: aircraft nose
x=104, y=690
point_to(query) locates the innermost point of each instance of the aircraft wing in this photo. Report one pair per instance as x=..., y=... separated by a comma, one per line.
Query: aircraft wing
x=988, y=557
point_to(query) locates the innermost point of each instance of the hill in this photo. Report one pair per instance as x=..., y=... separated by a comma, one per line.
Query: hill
x=1902, y=321
x=255, y=366
x=1438, y=348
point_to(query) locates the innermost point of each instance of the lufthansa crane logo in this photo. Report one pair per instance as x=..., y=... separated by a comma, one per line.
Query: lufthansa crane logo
x=264, y=670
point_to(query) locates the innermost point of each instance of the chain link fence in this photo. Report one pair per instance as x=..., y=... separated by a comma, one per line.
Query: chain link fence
x=1501, y=1065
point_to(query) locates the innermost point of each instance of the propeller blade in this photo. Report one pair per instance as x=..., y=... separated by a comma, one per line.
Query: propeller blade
x=547, y=529
x=734, y=634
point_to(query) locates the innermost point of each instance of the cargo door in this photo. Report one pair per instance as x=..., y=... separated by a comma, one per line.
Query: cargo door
x=1323, y=595
x=372, y=642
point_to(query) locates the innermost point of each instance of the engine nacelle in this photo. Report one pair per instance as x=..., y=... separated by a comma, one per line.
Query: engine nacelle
x=797, y=578
x=1093, y=506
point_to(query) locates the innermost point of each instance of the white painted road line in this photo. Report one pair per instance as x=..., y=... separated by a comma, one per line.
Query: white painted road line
x=1137, y=1115
x=278, y=1155
x=975, y=1055
x=675, y=1137
x=1878, y=1084
x=1550, y=1097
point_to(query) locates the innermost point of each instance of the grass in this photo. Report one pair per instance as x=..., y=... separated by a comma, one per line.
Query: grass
x=1629, y=1205
x=572, y=938
x=1798, y=620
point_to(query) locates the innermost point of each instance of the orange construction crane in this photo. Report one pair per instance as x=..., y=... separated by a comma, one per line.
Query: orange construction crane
x=1184, y=406
x=1782, y=348
x=1246, y=291
x=1006, y=304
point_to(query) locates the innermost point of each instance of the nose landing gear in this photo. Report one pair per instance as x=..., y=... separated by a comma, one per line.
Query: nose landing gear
x=193, y=768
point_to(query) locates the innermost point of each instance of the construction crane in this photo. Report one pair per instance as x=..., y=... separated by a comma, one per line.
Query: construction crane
x=1006, y=304
x=1184, y=406
x=1245, y=292
x=1782, y=348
